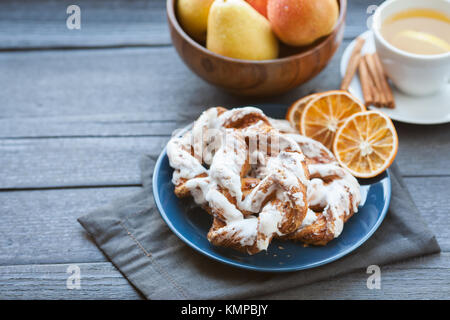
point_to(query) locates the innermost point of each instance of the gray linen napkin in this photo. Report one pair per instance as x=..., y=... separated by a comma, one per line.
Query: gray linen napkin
x=134, y=237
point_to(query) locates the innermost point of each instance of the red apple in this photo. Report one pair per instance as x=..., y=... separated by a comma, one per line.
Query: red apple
x=259, y=5
x=301, y=22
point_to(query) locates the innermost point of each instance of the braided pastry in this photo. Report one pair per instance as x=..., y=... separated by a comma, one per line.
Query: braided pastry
x=333, y=195
x=249, y=172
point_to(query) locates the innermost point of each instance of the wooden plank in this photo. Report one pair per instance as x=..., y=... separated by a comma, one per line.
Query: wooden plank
x=98, y=281
x=45, y=163
x=423, y=150
x=415, y=143
x=421, y=278
x=42, y=24
x=68, y=162
x=40, y=226
x=117, y=81
x=104, y=125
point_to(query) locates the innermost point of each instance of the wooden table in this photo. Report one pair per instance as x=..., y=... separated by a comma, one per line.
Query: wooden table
x=79, y=107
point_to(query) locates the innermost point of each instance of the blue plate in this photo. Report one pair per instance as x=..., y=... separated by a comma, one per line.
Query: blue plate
x=191, y=224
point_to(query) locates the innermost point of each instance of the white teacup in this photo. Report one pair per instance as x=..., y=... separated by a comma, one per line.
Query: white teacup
x=412, y=73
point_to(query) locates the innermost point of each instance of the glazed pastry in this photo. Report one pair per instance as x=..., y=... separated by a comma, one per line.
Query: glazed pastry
x=333, y=195
x=252, y=174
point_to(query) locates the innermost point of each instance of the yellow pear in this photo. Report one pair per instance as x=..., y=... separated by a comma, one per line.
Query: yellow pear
x=237, y=30
x=193, y=17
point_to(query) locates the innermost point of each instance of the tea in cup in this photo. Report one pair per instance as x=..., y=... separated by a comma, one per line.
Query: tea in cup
x=412, y=38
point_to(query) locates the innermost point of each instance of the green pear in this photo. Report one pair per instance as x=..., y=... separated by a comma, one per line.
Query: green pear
x=237, y=30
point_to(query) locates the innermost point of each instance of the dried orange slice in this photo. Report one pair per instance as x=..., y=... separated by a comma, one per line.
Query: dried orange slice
x=295, y=110
x=366, y=144
x=324, y=115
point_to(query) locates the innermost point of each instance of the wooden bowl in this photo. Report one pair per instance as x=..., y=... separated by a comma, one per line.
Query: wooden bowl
x=257, y=78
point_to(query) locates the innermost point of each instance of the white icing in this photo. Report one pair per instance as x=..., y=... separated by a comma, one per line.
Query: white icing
x=180, y=158
x=310, y=218
x=311, y=148
x=334, y=196
x=245, y=230
x=282, y=125
x=221, y=206
x=269, y=220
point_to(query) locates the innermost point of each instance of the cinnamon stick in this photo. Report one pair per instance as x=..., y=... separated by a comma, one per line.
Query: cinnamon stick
x=373, y=90
x=384, y=82
x=353, y=63
x=376, y=95
x=366, y=83
x=377, y=78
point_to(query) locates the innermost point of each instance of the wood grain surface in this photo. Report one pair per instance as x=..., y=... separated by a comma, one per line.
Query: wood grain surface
x=75, y=104
x=101, y=280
